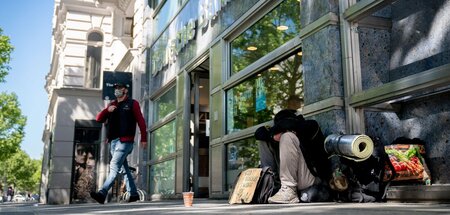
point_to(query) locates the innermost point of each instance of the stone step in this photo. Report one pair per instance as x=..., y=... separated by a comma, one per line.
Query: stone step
x=439, y=193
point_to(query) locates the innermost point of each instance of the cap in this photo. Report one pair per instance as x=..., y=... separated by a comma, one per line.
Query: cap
x=120, y=85
x=263, y=133
x=286, y=120
x=287, y=114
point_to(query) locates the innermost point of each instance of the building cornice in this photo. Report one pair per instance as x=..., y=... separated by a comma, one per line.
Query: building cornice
x=72, y=92
x=126, y=60
x=75, y=91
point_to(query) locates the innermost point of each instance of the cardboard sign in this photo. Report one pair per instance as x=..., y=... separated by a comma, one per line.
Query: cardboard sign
x=245, y=186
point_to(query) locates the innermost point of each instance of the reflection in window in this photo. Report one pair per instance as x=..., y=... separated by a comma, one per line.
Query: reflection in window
x=162, y=178
x=163, y=141
x=257, y=99
x=154, y=3
x=274, y=29
x=165, y=13
x=93, y=60
x=164, y=105
x=241, y=155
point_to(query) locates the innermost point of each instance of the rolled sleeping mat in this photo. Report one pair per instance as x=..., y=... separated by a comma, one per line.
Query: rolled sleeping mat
x=353, y=147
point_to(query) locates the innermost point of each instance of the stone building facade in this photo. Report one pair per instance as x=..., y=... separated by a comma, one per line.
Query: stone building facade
x=89, y=37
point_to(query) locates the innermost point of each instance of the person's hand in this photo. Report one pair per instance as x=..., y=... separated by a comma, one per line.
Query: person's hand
x=143, y=144
x=111, y=108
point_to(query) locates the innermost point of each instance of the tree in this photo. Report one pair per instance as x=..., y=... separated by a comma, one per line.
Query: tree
x=5, y=53
x=12, y=126
x=22, y=172
x=11, y=118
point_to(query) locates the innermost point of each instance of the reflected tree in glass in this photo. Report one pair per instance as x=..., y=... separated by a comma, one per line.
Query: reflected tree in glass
x=162, y=178
x=274, y=29
x=257, y=99
x=163, y=143
x=165, y=105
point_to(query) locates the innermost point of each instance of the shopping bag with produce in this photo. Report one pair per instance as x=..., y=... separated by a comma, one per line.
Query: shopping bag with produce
x=408, y=161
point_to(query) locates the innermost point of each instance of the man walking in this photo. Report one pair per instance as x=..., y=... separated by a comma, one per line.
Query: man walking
x=121, y=116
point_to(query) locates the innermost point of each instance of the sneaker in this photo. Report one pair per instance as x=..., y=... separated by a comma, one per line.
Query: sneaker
x=100, y=198
x=285, y=195
x=129, y=199
x=134, y=198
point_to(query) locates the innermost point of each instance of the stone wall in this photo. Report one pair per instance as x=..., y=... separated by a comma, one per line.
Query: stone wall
x=418, y=41
x=322, y=63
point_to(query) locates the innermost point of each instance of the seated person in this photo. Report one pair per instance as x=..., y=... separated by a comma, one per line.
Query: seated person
x=283, y=147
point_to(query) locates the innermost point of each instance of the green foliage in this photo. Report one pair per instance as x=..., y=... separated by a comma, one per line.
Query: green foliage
x=164, y=141
x=166, y=104
x=5, y=55
x=249, y=152
x=22, y=172
x=11, y=118
x=265, y=36
x=280, y=84
x=283, y=88
x=162, y=178
x=12, y=126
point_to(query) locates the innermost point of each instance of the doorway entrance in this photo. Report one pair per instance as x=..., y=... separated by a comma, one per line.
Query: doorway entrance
x=199, y=126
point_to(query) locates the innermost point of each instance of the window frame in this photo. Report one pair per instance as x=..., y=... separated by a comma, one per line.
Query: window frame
x=263, y=69
x=258, y=16
x=89, y=74
x=254, y=15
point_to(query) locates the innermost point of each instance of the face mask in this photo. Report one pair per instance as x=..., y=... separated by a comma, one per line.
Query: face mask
x=118, y=93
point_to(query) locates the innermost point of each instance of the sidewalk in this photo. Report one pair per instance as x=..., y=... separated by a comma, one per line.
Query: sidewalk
x=208, y=206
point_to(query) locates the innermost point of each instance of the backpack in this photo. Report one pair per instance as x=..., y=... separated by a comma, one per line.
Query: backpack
x=312, y=146
x=254, y=190
x=266, y=186
x=365, y=179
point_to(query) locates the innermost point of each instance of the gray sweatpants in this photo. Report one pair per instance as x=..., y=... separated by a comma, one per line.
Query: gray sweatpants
x=286, y=158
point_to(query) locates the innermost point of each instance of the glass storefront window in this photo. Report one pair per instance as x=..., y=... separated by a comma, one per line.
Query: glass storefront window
x=241, y=155
x=163, y=141
x=162, y=178
x=164, y=105
x=166, y=12
x=274, y=29
x=258, y=98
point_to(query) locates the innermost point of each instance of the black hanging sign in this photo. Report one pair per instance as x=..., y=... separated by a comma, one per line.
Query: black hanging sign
x=110, y=78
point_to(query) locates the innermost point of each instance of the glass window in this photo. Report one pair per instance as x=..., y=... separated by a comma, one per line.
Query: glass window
x=163, y=141
x=162, y=178
x=164, y=105
x=164, y=15
x=258, y=98
x=274, y=29
x=241, y=155
x=154, y=3
x=93, y=60
x=95, y=36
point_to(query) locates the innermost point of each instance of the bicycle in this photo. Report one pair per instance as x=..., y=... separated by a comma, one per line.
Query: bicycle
x=124, y=195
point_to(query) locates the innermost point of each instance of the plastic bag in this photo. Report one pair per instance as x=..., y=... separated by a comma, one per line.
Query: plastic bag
x=408, y=162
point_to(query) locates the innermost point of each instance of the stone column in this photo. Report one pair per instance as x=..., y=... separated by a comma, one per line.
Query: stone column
x=322, y=64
